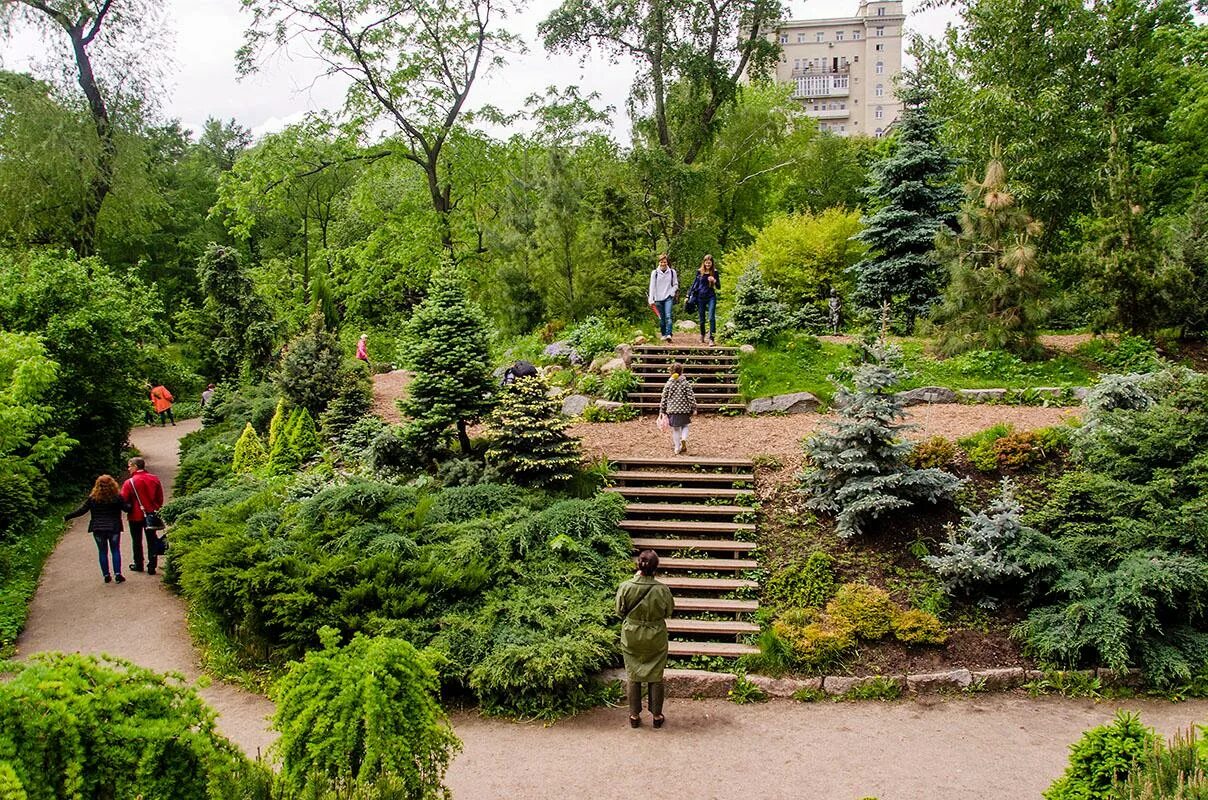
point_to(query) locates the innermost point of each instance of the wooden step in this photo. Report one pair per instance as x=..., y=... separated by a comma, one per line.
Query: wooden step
x=693, y=509
x=657, y=386
x=681, y=648
x=707, y=584
x=728, y=545
x=701, y=397
x=682, y=477
x=716, y=605
x=691, y=348
x=677, y=492
x=703, y=461
x=708, y=564
x=653, y=407
x=696, y=356
x=684, y=526
x=712, y=627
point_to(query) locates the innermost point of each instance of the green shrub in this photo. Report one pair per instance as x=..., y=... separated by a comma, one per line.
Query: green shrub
x=1177, y=771
x=1126, y=354
x=88, y=726
x=1102, y=757
x=590, y=338
x=618, y=384
x=877, y=687
x=303, y=436
x=311, y=369
x=249, y=452
x=918, y=627
x=818, y=644
x=351, y=403
x=622, y=413
x=745, y=691
x=983, y=555
x=591, y=384
x=206, y=459
x=809, y=584
x=866, y=610
x=935, y=453
x=389, y=453
x=980, y=446
x=530, y=445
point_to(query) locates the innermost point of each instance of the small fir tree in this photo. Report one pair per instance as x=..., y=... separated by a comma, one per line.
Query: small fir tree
x=757, y=314
x=352, y=401
x=303, y=435
x=449, y=351
x=857, y=469
x=250, y=454
x=916, y=198
x=979, y=556
x=530, y=445
x=311, y=369
x=995, y=283
x=282, y=458
x=277, y=424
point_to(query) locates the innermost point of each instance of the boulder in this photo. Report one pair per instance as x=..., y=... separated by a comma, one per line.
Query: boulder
x=598, y=362
x=1080, y=393
x=607, y=405
x=997, y=680
x=550, y=369
x=982, y=395
x=685, y=325
x=639, y=340
x=937, y=681
x=573, y=405
x=689, y=683
x=625, y=353
x=927, y=394
x=746, y=348
x=784, y=687
x=499, y=372
x=1132, y=678
x=795, y=403
x=612, y=365
x=840, y=684
x=557, y=350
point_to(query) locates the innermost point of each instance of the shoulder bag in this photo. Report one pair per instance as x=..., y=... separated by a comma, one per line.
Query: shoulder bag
x=152, y=521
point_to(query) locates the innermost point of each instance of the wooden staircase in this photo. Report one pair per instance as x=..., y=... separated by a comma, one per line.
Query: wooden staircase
x=688, y=511
x=712, y=370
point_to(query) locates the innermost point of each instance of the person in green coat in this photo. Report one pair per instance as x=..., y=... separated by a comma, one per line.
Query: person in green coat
x=644, y=603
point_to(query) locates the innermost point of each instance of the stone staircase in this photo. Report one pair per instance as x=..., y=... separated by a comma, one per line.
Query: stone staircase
x=687, y=512
x=712, y=370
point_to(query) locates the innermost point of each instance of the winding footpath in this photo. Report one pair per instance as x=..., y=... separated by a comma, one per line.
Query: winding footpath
x=990, y=747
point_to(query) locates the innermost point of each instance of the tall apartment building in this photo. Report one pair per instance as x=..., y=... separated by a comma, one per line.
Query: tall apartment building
x=843, y=69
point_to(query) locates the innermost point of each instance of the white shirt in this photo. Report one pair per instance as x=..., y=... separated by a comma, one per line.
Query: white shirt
x=663, y=284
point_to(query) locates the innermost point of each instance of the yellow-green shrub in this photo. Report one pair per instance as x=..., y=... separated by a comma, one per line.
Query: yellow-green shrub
x=865, y=609
x=818, y=643
x=918, y=627
x=935, y=453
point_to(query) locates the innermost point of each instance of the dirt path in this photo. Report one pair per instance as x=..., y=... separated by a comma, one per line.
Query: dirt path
x=993, y=747
x=140, y=620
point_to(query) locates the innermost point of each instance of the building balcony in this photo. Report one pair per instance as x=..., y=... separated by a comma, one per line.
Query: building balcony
x=830, y=113
x=821, y=85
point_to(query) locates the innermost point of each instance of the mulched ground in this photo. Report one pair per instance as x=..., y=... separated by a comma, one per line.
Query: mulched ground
x=389, y=387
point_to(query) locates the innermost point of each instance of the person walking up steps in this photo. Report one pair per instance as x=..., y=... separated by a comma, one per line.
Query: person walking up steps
x=678, y=405
x=106, y=505
x=162, y=399
x=644, y=603
x=704, y=295
x=143, y=493
x=664, y=285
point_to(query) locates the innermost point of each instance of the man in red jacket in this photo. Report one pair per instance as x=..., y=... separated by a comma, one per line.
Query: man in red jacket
x=143, y=492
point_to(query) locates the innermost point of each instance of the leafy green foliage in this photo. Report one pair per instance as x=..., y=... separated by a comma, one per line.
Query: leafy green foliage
x=865, y=610
x=234, y=331
x=809, y=584
x=311, y=369
x=360, y=715
x=1102, y=757
x=757, y=314
x=1126, y=354
x=590, y=338
x=878, y=687
x=857, y=469
x=87, y=726
x=530, y=445
x=622, y=413
x=618, y=385
x=21, y=560
x=745, y=691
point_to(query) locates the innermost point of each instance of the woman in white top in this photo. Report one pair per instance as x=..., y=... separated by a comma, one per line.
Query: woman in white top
x=664, y=285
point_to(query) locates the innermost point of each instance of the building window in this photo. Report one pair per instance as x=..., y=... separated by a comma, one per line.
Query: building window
x=879, y=132
x=784, y=38
x=838, y=36
x=880, y=92
x=879, y=113
x=819, y=36
x=843, y=106
x=880, y=67
x=842, y=129
x=855, y=36
x=800, y=38
x=796, y=63
x=880, y=48
x=880, y=11
x=880, y=30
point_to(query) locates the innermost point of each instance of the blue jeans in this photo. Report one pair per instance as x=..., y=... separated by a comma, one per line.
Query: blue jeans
x=109, y=544
x=666, y=324
x=709, y=307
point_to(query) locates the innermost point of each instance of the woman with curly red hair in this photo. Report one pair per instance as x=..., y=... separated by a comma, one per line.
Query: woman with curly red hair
x=106, y=505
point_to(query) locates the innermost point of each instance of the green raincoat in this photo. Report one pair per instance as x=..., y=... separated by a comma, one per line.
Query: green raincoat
x=644, y=603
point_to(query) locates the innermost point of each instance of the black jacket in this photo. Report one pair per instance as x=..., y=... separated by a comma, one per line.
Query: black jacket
x=106, y=517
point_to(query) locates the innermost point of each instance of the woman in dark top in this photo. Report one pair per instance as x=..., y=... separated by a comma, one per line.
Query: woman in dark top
x=106, y=506
x=704, y=293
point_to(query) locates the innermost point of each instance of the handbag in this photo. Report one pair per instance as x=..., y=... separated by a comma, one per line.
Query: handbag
x=152, y=521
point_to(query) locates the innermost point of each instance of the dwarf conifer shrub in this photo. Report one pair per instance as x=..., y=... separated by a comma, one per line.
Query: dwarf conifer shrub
x=935, y=453
x=916, y=626
x=303, y=436
x=866, y=610
x=818, y=644
x=857, y=468
x=530, y=445
x=809, y=584
x=758, y=314
x=363, y=715
x=1103, y=757
x=352, y=401
x=980, y=557
x=310, y=374
x=249, y=452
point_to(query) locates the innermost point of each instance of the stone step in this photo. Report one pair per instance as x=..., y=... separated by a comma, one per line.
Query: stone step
x=711, y=627
x=692, y=509
x=674, y=582
x=681, y=648
x=681, y=477
x=685, y=526
x=703, y=461
x=663, y=545
x=716, y=605
x=678, y=492
x=708, y=564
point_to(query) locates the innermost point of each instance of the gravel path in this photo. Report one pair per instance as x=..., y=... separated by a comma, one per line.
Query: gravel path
x=140, y=620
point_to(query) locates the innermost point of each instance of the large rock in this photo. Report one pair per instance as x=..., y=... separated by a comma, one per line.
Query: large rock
x=997, y=680
x=746, y=348
x=839, y=685
x=550, y=369
x=982, y=395
x=607, y=405
x=598, y=362
x=685, y=325
x=927, y=394
x=688, y=683
x=625, y=353
x=639, y=340
x=1132, y=678
x=784, y=687
x=558, y=350
x=795, y=403
x=937, y=681
x=612, y=365
x=573, y=406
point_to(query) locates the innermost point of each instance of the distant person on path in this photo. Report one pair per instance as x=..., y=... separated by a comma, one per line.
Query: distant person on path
x=142, y=492
x=207, y=395
x=363, y=348
x=161, y=400
x=106, y=505
x=835, y=307
x=678, y=404
x=664, y=285
x=644, y=603
x=704, y=294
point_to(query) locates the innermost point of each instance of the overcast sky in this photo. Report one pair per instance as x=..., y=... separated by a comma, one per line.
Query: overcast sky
x=202, y=82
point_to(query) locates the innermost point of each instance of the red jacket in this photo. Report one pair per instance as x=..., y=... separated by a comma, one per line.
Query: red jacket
x=150, y=492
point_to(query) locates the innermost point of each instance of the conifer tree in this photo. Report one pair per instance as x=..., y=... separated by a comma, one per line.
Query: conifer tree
x=450, y=354
x=277, y=424
x=995, y=282
x=311, y=368
x=916, y=197
x=303, y=435
x=857, y=468
x=530, y=445
x=249, y=452
x=757, y=314
x=282, y=458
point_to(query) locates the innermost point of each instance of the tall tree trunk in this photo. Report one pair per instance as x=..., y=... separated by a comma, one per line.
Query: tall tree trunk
x=84, y=237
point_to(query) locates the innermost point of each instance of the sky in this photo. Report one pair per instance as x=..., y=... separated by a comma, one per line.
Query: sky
x=201, y=80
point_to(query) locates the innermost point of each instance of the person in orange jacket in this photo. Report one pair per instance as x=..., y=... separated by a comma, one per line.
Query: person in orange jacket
x=162, y=400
